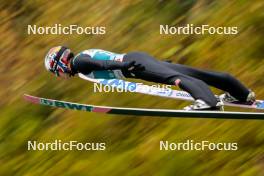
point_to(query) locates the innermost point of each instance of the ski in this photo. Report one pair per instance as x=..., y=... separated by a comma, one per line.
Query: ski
x=144, y=112
x=155, y=91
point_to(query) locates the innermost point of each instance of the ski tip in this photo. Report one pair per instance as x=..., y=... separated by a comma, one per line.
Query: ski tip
x=31, y=99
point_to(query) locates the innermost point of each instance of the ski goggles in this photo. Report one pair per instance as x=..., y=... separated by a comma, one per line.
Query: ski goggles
x=61, y=61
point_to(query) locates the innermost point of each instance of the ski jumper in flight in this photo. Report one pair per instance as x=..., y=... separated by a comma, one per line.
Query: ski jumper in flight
x=98, y=63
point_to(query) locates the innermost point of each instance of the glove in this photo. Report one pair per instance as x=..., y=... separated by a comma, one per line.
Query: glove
x=132, y=66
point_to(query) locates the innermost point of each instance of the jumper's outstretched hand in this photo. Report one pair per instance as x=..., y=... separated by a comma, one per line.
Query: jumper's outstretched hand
x=133, y=66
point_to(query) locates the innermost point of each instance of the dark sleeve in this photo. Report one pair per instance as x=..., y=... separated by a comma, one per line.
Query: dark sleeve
x=85, y=64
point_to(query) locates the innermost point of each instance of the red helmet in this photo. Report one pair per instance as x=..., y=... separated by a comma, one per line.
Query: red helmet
x=57, y=60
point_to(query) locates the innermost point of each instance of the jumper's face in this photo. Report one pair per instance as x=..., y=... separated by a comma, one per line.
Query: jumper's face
x=64, y=75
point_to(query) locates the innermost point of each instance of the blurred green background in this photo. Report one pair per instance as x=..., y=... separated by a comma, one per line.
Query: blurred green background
x=132, y=142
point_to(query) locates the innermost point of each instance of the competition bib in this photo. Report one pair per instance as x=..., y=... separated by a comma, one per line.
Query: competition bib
x=98, y=54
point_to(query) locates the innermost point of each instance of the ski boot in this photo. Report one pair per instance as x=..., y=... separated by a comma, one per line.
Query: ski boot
x=226, y=97
x=200, y=105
